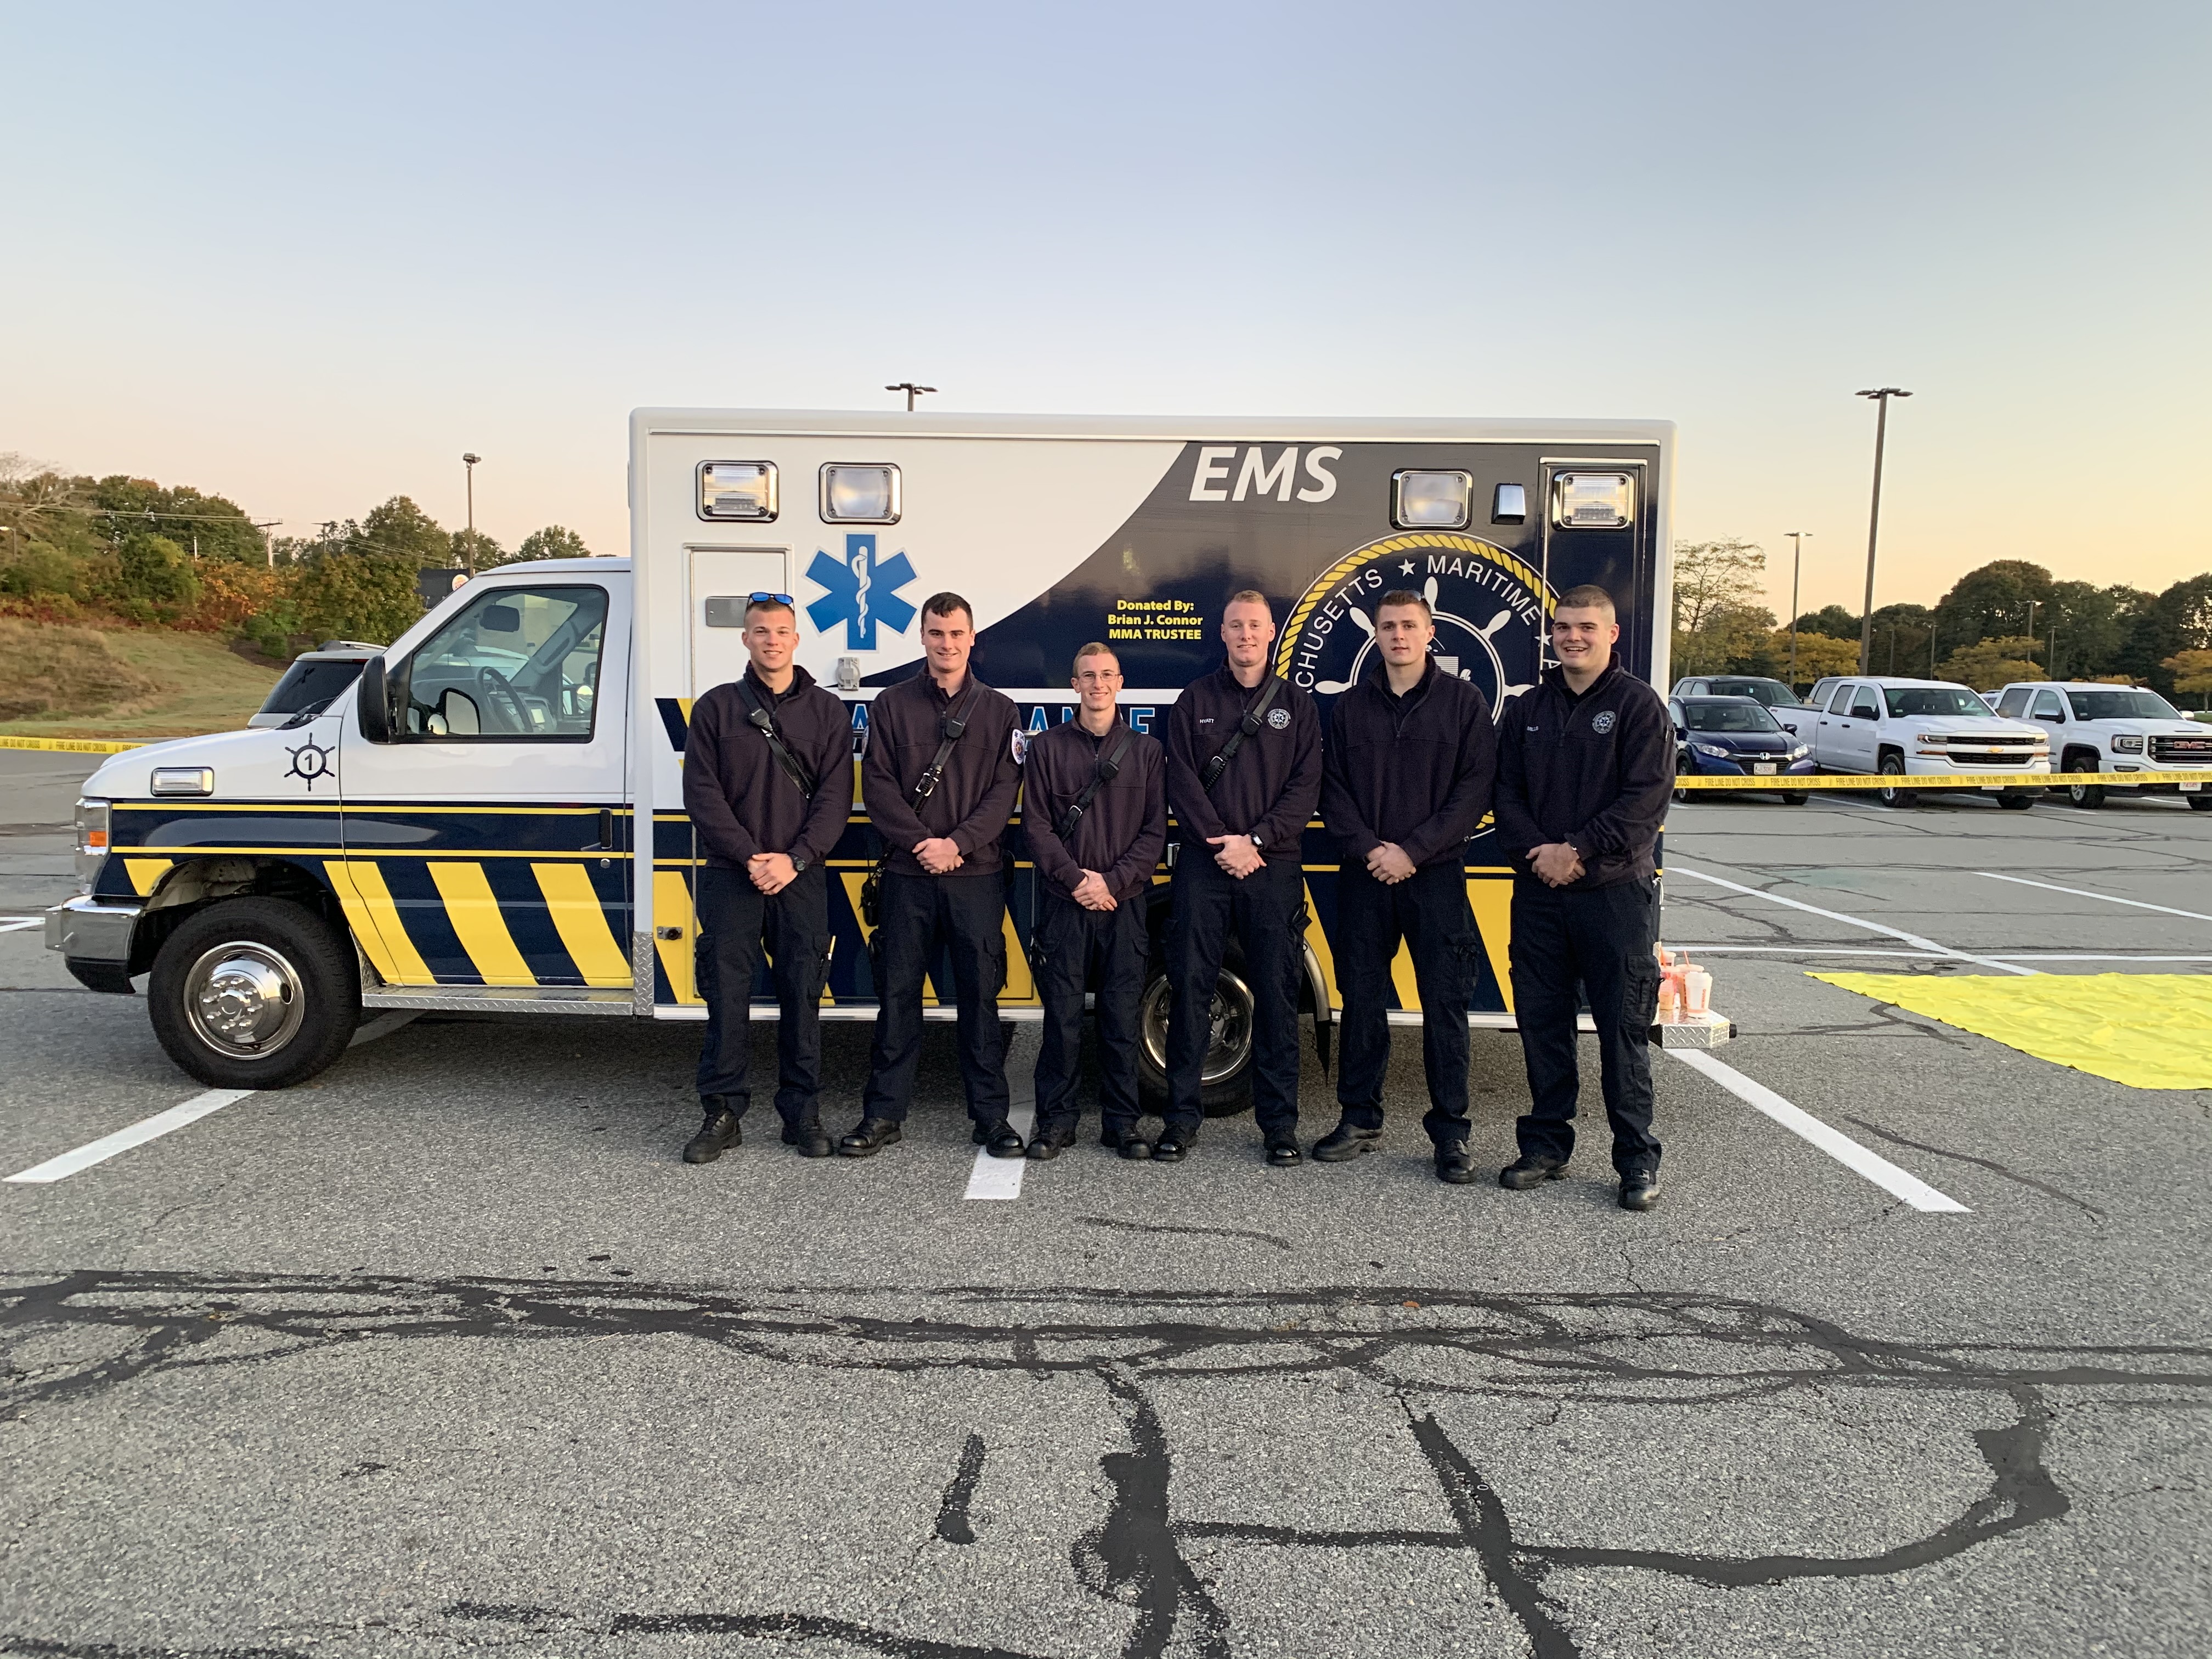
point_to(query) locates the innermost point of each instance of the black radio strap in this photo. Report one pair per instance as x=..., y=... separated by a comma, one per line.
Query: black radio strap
x=1246, y=727
x=949, y=725
x=764, y=723
x=1109, y=767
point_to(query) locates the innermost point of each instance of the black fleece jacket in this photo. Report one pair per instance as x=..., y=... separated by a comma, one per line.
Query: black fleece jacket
x=976, y=796
x=1121, y=832
x=1593, y=771
x=1415, y=769
x=741, y=802
x=1271, y=787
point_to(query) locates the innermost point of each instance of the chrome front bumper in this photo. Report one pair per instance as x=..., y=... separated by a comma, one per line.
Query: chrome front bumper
x=87, y=929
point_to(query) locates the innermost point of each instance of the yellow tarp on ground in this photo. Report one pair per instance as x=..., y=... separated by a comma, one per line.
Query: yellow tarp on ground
x=2147, y=1030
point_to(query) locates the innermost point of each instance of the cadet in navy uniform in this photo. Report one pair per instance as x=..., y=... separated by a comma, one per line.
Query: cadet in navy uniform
x=767, y=782
x=938, y=781
x=1094, y=813
x=1243, y=776
x=1406, y=777
x=1585, y=766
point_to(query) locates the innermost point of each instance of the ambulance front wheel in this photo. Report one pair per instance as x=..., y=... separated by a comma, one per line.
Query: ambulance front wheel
x=254, y=994
x=1226, y=1075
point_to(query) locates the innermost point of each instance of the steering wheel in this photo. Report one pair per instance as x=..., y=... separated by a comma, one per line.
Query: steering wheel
x=499, y=694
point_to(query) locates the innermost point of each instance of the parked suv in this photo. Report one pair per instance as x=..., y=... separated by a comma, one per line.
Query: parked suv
x=1788, y=711
x=1920, y=728
x=314, y=679
x=2113, y=728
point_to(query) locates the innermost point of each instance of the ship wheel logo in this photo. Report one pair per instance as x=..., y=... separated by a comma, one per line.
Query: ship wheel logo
x=310, y=761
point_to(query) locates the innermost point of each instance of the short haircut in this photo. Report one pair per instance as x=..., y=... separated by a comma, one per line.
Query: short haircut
x=1401, y=596
x=754, y=605
x=944, y=604
x=1096, y=649
x=1588, y=597
x=1248, y=596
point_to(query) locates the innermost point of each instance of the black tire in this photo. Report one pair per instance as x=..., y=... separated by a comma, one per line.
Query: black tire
x=1893, y=766
x=254, y=994
x=1795, y=797
x=1225, y=1092
x=2016, y=800
x=2199, y=803
x=2087, y=795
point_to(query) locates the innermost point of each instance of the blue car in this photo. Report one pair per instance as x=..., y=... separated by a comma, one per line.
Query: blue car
x=1734, y=737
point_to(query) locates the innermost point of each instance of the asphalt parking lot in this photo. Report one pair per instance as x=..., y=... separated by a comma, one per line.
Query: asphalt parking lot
x=447, y=1352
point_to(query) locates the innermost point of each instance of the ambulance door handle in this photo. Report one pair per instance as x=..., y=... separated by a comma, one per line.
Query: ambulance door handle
x=605, y=843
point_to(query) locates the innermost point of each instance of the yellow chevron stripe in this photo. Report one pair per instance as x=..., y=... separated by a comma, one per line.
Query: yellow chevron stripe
x=375, y=922
x=672, y=907
x=1493, y=902
x=581, y=919
x=1021, y=984
x=475, y=918
x=145, y=873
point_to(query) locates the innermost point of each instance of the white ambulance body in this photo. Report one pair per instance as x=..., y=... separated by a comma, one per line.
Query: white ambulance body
x=493, y=820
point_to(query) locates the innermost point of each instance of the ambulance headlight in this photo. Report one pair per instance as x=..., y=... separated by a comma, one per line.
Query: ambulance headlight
x=744, y=490
x=1430, y=500
x=859, y=494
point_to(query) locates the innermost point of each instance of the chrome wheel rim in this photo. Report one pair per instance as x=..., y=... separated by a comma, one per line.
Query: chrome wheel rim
x=1231, y=1049
x=244, y=1000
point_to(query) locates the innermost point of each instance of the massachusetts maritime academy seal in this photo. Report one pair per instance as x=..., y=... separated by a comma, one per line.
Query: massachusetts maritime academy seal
x=1489, y=608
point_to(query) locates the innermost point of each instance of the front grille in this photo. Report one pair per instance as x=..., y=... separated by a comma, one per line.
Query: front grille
x=2191, y=752
x=1970, y=760
x=1996, y=740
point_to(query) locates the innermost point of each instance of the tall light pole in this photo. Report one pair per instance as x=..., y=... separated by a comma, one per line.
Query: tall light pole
x=1881, y=395
x=1796, y=549
x=469, y=557
x=912, y=392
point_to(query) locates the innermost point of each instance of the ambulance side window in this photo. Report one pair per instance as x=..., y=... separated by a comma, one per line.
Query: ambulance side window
x=516, y=663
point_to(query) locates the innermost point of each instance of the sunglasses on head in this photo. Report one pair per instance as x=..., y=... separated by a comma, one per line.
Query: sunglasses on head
x=781, y=599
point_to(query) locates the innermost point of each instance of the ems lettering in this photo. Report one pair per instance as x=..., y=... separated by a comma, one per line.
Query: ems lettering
x=1258, y=476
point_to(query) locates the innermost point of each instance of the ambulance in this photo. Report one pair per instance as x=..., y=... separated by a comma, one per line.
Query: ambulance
x=491, y=820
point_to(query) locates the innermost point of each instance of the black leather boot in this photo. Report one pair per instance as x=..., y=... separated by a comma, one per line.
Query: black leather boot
x=716, y=1134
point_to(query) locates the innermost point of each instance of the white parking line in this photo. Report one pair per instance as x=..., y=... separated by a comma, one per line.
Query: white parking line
x=1875, y=1168
x=1915, y=940
x=1001, y=1177
x=2109, y=898
x=146, y=1129
x=17, y=924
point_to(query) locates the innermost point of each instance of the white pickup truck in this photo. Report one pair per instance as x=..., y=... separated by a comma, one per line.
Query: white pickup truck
x=2114, y=728
x=1919, y=729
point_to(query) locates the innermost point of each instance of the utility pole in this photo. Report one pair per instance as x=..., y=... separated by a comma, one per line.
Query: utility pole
x=1796, y=550
x=912, y=392
x=268, y=540
x=468, y=558
x=1881, y=395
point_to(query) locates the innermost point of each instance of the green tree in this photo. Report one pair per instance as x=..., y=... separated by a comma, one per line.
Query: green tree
x=1987, y=664
x=1992, y=600
x=208, y=526
x=1898, y=641
x=553, y=542
x=1832, y=620
x=157, y=573
x=473, y=550
x=357, y=596
x=404, y=530
x=2191, y=671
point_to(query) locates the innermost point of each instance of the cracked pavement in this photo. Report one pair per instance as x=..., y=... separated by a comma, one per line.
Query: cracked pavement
x=447, y=1352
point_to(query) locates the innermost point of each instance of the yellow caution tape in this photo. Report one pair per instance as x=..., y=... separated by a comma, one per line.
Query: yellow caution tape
x=2147, y=1030
x=69, y=746
x=1951, y=781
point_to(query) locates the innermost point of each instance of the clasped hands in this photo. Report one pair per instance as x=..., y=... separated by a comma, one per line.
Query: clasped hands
x=771, y=871
x=938, y=855
x=1388, y=863
x=1237, y=855
x=1556, y=864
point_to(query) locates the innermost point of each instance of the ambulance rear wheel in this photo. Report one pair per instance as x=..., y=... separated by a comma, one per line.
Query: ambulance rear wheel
x=254, y=994
x=1226, y=1075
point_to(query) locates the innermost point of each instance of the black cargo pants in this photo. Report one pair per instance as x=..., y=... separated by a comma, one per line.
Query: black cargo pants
x=736, y=919
x=1072, y=946
x=1603, y=937
x=1429, y=912
x=1263, y=911
x=968, y=913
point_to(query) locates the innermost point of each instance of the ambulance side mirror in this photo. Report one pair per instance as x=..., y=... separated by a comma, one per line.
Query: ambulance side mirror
x=375, y=703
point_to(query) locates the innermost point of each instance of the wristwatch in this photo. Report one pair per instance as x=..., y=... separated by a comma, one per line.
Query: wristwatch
x=798, y=866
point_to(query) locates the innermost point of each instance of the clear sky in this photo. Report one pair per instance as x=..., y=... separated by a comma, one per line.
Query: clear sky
x=306, y=256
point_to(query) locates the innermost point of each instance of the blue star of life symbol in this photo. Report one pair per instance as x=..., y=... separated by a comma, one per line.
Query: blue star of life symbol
x=860, y=593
